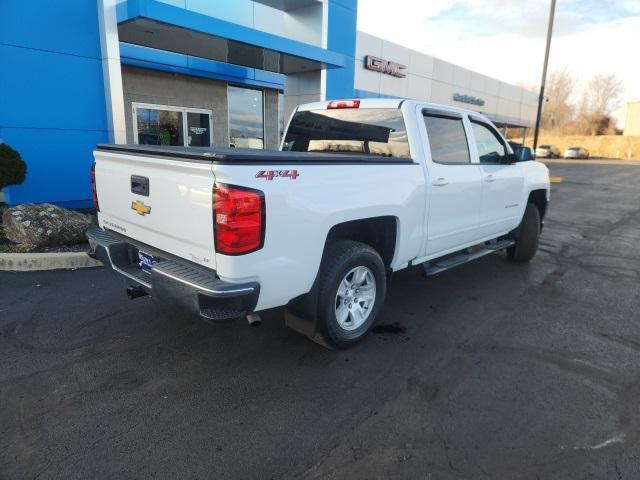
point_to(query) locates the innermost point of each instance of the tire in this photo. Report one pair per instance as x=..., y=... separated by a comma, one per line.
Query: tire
x=526, y=236
x=341, y=262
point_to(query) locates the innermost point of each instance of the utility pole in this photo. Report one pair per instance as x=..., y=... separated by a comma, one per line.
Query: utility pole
x=552, y=12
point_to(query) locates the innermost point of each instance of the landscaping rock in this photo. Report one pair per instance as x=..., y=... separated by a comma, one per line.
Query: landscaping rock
x=44, y=224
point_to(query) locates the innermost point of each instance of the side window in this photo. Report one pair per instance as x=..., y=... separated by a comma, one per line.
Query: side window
x=447, y=139
x=489, y=145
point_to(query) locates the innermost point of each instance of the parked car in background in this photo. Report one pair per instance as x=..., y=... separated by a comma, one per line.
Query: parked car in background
x=576, y=152
x=547, y=151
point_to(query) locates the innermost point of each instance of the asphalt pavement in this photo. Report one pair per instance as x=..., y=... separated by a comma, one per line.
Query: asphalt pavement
x=492, y=370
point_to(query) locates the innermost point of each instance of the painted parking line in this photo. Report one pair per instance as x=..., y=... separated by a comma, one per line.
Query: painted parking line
x=555, y=179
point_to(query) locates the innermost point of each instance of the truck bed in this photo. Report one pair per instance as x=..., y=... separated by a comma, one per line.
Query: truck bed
x=247, y=155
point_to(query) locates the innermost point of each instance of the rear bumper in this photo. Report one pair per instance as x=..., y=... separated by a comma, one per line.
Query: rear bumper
x=174, y=279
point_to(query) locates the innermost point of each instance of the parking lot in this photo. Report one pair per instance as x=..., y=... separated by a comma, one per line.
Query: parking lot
x=492, y=370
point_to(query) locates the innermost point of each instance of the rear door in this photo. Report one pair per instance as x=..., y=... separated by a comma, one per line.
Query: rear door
x=163, y=201
x=502, y=184
x=454, y=190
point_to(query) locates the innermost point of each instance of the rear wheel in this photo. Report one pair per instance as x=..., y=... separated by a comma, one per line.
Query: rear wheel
x=526, y=236
x=351, y=292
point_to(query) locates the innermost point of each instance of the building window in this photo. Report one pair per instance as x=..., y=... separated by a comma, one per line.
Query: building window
x=165, y=125
x=281, y=118
x=246, y=118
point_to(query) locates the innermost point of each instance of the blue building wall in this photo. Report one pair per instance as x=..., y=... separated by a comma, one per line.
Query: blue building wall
x=52, y=106
x=52, y=103
x=342, y=39
x=189, y=19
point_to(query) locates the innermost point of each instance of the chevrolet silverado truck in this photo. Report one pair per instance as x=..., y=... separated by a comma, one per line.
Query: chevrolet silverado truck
x=358, y=190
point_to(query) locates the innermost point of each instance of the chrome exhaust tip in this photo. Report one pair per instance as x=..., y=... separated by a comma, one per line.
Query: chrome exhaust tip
x=254, y=319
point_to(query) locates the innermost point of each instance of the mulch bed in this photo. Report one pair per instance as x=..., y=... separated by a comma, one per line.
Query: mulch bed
x=7, y=246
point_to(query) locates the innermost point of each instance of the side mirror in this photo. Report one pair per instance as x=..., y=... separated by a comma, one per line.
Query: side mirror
x=523, y=154
x=509, y=158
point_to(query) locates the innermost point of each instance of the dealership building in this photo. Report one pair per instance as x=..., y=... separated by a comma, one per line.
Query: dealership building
x=198, y=73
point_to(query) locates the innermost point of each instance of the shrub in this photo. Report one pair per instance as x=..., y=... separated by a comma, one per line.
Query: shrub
x=12, y=168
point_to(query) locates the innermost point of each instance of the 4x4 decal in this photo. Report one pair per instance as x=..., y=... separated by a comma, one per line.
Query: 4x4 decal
x=271, y=174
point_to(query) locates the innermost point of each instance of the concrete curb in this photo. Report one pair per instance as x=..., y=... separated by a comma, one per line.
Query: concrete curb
x=29, y=262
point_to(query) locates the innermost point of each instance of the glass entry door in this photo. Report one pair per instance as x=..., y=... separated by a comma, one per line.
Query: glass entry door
x=198, y=129
x=171, y=126
x=159, y=127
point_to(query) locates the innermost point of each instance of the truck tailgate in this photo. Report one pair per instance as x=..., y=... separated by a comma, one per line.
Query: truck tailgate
x=175, y=212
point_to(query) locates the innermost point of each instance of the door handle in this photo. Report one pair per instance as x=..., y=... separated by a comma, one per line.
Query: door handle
x=489, y=178
x=140, y=185
x=440, y=182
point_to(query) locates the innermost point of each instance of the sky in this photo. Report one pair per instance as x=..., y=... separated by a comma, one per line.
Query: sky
x=505, y=38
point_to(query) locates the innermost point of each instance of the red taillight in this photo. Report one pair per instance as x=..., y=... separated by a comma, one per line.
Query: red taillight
x=239, y=216
x=343, y=104
x=93, y=187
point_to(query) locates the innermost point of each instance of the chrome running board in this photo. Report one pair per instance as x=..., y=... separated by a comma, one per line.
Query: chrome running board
x=434, y=267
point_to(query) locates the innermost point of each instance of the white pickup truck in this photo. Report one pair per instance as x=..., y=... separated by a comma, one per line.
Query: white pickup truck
x=359, y=189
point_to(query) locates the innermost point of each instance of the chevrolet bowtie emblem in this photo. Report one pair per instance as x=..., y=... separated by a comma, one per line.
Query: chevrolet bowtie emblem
x=140, y=208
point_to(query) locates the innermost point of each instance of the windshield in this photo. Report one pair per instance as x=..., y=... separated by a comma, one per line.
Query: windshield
x=370, y=131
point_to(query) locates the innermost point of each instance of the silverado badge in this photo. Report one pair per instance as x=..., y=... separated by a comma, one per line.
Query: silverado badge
x=140, y=208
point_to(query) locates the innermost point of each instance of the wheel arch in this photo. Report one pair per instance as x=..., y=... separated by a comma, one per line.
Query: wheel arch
x=539, y=198
x=380, y=233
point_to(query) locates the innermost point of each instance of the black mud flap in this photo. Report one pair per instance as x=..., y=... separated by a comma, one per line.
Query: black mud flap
x=301, y=313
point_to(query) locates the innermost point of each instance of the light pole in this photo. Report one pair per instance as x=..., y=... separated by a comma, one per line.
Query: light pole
x=552, y=12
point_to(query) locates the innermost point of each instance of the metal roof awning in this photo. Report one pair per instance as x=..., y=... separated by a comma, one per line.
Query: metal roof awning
x=158, y=25
x=288, y=5
x=509, y=122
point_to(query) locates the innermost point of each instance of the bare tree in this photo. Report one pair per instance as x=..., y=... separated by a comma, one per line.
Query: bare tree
x=590, y=123
x=557, y=111
x=603, y=93
x=599, y=98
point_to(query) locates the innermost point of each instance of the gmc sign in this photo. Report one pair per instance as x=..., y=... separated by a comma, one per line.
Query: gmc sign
x=381, y=65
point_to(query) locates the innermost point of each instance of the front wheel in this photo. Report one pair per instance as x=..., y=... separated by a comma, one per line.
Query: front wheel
x=351, y=292
x=526, y=236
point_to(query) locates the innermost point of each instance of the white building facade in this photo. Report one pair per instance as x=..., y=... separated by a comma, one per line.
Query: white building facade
x=408, y=73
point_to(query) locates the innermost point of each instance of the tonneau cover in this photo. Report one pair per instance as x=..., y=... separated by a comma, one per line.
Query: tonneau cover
x=245, y=155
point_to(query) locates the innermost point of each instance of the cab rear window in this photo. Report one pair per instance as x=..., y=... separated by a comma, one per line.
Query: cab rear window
x=367, y=131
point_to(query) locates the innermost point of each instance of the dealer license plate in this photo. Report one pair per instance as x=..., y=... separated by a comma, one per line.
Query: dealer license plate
x=146, y=261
